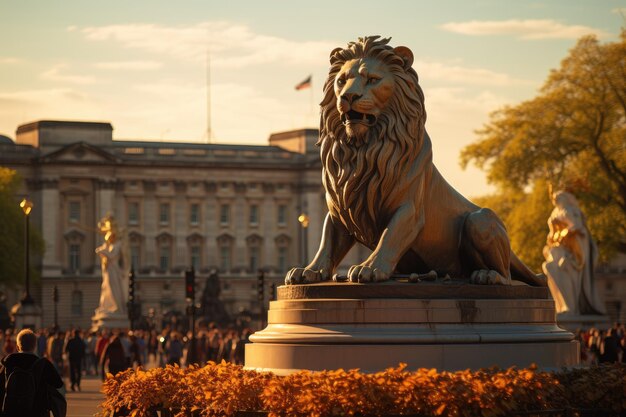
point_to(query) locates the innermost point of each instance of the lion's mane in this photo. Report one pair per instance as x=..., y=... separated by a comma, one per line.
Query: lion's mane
x=361, y=177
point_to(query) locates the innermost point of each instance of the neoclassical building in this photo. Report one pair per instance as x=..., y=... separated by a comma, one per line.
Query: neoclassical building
x=230, y=208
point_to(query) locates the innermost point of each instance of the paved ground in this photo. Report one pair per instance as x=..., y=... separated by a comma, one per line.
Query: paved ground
x=85, y=403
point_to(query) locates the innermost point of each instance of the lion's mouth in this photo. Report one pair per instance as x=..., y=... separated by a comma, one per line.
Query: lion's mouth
x=354, y=116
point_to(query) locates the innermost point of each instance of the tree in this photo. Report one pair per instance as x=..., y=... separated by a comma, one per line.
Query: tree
x=12, y=227
x=573, y=135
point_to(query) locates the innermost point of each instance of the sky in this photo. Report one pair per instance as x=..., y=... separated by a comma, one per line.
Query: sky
x=142, y=65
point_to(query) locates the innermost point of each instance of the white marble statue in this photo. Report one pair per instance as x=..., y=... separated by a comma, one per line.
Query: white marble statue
x=114, y=281
x=570, y=255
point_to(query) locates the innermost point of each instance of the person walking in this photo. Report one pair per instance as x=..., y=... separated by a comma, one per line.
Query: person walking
x=55, y=350
x=9, y=346
x=174, y=349
x=101, y=344
x=45, y=375
x=75, y=349
x=114, y=357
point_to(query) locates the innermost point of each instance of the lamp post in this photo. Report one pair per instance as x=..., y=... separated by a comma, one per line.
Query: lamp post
x=304, y=221
x=27, y=206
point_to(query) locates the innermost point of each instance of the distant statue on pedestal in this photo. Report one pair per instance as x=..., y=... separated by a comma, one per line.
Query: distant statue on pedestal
x=571, y=255
x=114, y=279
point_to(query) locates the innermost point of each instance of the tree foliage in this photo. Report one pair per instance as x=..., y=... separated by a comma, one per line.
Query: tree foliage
x=573, y=135
x=12, y=252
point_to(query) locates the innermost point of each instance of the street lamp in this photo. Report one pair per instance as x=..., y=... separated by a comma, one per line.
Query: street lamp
x=27, y=206
x=304, y=221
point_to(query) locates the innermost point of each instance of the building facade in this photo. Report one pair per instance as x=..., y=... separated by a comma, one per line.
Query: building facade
x=229, y=208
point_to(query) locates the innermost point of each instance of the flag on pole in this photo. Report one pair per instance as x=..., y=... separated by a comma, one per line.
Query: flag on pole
x=304, y=84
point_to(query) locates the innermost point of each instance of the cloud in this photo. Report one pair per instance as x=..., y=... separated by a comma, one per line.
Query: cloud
x=619, y=10
x=46, y=104
x=56, y=74
x=10, y=60
x=231, y=45
x=530, y=29
x=129, y=65
x=432, y=70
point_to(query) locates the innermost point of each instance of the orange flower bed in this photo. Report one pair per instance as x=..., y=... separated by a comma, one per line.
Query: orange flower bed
x=223, y=389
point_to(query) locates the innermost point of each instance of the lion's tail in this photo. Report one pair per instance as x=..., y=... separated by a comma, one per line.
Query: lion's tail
x=521, y=272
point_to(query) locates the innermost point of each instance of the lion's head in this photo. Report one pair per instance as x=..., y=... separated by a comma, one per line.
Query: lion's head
x=371, y=128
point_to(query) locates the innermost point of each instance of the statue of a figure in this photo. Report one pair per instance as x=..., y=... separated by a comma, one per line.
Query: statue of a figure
x=114, y=285
x=571, y=254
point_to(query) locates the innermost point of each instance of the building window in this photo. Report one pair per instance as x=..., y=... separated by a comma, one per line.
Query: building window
x=74, y=212
x=164, y=258
x=164, y=213
x=77, y=303
x=133, y=213
x=282, y=215
x=254, y=258
x=254, y=214
x=134, y=257
x=194, y=214
x=225, y=258
x=74, y=257
x=282, y=259
x=195, y=257
x=224, y=214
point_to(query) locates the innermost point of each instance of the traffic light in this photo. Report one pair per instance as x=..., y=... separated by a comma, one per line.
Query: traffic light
x=131, y=287
x=260, y=285
x=55, y=294
x=190, y=284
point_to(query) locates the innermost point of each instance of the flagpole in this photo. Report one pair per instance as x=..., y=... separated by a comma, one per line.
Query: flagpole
x=312, y=104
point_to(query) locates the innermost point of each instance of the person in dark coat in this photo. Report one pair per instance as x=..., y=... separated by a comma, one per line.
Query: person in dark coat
x=75, y=349
x=610, y=348
x=114, y=357
x=24, y=358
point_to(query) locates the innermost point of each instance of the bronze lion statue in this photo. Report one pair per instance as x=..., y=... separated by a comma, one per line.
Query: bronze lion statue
x=382, y=188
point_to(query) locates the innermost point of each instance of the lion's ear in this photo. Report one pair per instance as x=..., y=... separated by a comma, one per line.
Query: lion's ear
x=406, y=55
x=333, y=55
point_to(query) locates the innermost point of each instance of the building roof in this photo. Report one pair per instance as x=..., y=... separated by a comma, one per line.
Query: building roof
x=5, y=140
x=63, y=124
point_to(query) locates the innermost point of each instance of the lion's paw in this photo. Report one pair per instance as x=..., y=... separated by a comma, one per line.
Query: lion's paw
x=305, y=276
x=488, y=277
x=363, y=273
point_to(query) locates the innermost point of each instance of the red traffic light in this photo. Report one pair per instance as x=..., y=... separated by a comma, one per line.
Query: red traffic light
x=190, y=284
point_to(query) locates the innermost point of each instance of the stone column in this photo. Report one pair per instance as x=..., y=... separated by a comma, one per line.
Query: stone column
x=180, y=223
x=105, y=203
x=149, y=219
x=268, y=226
x=210, y=224
x=105, y=200
x=313, y=205
x=51, y=227
x=239, y=224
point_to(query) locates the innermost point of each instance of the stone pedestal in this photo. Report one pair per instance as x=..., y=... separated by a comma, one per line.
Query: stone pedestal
x=109, y=322
x=449, y=326
x=26, y=315
x=573, y=322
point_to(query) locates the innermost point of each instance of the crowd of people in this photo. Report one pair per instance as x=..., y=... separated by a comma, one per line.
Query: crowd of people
x=75, y=353
x=602, y=345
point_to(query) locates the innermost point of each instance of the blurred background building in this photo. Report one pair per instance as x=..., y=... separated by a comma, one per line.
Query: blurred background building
x=228, y=208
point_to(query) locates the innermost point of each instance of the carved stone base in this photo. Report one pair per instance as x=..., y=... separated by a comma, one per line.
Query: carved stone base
x=375, y=326
x=26, y=315
x=109, y=322
x=573, y=322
